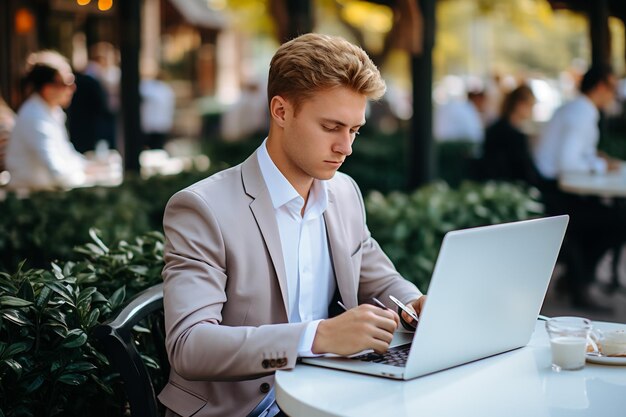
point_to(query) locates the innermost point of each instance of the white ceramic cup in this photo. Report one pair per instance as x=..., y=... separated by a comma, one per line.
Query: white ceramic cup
x=568, y=342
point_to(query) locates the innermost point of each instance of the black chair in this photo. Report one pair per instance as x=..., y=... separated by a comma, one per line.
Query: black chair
x=120, y=345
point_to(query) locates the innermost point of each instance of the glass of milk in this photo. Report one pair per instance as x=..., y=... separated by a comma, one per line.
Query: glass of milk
x=568, y=342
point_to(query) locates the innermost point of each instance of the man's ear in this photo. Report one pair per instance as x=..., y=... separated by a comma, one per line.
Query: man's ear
x=279, y=107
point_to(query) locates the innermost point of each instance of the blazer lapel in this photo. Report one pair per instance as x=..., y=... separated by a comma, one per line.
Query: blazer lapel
x=263, y=212
x=340, y=253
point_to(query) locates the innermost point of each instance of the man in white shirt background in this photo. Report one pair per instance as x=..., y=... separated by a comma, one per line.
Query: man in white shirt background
x=39, y=154
x=568, y=143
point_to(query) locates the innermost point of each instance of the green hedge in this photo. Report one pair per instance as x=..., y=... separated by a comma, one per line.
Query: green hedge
x=47, y=226
x=50, y=363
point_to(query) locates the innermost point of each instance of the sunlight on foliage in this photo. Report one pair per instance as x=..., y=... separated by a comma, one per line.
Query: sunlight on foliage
x=368, y=16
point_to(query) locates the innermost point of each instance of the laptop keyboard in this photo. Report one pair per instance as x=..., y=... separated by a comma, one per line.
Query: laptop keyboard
x=395, y=356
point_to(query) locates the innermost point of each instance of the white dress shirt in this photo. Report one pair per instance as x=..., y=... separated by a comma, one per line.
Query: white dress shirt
x=310, y=276
x=39, y=154
x=569, y=141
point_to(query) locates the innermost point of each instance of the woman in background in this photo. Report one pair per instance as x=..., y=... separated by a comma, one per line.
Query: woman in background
x=506, y=151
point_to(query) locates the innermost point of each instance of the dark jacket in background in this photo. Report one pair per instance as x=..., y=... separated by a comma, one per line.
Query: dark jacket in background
x=507, y=156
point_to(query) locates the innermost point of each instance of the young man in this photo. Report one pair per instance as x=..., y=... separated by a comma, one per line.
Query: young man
x=257, y=256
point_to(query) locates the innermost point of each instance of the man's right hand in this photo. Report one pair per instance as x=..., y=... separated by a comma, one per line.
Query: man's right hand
x=360, y=328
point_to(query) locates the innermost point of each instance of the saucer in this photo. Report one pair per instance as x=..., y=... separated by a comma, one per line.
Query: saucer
x=607, y=360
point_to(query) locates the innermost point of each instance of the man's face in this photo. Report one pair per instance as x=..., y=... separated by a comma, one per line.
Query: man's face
x=609, y=91
x=60, y=91
x=318, y=137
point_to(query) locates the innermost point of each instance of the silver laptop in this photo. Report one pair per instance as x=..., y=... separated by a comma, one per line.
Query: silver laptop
x=484, y=297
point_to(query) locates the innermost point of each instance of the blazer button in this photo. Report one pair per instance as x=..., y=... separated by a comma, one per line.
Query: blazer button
x=282, y=362
x=265, y=388
x=265, y=363
x=273, y=363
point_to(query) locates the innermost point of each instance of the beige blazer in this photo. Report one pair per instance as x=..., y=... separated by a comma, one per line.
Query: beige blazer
x=225, y=291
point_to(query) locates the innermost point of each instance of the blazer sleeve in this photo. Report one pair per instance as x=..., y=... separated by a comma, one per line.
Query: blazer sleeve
x=377, y=275
x=195, y=280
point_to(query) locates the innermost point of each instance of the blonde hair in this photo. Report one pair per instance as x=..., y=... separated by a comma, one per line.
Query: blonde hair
x=311, y=63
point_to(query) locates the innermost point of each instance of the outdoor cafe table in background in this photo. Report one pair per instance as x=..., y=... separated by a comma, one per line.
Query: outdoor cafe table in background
x=611, y=184
x=611, y=187
x=517, y=383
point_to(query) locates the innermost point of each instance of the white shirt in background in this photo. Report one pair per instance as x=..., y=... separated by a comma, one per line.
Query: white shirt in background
x=310, y=276
x=39, y=154
x=568, y=143
x=458, y=120
x=157, y=106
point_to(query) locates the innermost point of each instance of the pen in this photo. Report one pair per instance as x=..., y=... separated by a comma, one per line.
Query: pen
x=341, y=305
x=376, y=301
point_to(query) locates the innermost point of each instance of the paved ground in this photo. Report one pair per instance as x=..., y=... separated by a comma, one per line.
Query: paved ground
x=557, y=304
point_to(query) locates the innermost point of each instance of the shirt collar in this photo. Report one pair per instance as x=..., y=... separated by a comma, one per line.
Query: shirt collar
x=282, y=192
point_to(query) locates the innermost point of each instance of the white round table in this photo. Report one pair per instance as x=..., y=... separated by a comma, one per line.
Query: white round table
x=518, y=383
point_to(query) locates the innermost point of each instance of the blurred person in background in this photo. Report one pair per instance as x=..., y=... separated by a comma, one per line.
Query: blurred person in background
x=90, y=118
x=103, y=66
x=506, y=151
x=157, y=110
x=7, y=121
x=568, y=143
x=40, y=155
x=461, y=120
x=248, y=116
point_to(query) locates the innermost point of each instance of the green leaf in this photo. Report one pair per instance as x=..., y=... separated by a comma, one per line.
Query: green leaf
x=86, y=294
x=56, y=365
x=57, y=315
x=62, y=291
x=56, y=270
x=72, y=379
x=15, y=316
x=33, y=385
x=16, y=348
x=93, y=233
x=104, y=387
x=75, y=338
x=43, y=298
x=139, y=269
x=150, y=362
x=80, y=367
x=117, y=298
x=93, y=250
x=14, y=365
x=93, y=318
x=10, y=301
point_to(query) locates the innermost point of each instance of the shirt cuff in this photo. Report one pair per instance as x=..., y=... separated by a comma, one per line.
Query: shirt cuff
x=306, y=341
x=599, y=166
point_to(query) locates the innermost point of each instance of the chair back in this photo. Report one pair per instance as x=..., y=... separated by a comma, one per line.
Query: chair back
x=119, y=341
